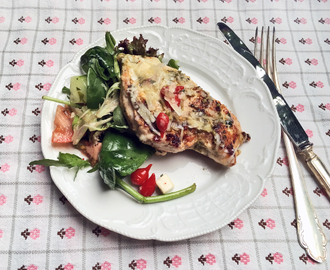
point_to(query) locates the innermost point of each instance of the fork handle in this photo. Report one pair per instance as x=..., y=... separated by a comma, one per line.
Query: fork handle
x=317, y=167
x=310, y=234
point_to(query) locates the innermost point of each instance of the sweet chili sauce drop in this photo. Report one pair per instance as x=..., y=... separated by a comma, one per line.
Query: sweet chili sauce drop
x=140, y=175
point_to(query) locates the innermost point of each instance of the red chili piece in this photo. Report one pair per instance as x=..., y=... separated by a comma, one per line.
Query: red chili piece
x=149, y=186
x=140, y=175
x=176, y=93
x=178, y=89
x=162, y=121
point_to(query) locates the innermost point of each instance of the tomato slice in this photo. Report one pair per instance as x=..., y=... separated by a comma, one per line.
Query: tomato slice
x=63, y=125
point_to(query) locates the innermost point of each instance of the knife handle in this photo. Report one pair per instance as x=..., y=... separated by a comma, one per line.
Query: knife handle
x=317, y=167
x=310, y=234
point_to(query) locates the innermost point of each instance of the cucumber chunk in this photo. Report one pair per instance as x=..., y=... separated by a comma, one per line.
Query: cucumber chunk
x=78, y=88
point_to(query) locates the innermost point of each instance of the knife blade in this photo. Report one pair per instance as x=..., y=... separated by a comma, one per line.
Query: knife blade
x=288, y=120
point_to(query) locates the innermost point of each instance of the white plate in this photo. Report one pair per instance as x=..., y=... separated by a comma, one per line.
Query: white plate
x=221, y=194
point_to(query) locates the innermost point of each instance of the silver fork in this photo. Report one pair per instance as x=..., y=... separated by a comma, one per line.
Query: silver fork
x=309, y=231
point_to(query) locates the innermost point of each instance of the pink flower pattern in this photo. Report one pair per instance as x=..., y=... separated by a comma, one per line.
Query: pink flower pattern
x=46, y=86
x=20, y=62
x=300, y=108
x=278, y=20
x=308, y=41
x=303, y=21
x=264, y=193
x=181, y=20
x=309, y=133
x=70, y=232
x=107, y=21
x=286, y=161
x=55, y=20
x=270, y=223
x=157, y=20
x=210, y=259
x=238, y=223
x=292, y=84
x=176, y=261
x=5, y=167
x=32, y=267
x=50, y=63
x=320, y=84
x=2, y=19
x=206, y=20
x=1, y=233
x=278, y=257
x=38, y=199
x=79, y=41
x=3, y=199
x=254, y=20
x=34, y=234
x=327, y=106
x=24, y=40
x=69, y=266
x=17, y=86
x=141, y=264
x=245, y=258
x=9, y=139
x=28, y=19
x=52, y=41
x=288, y=61
x=132, y=20
x=283, y=41
x=106, y=266
x=230, y=19
x=12, y=112
x=314, y=62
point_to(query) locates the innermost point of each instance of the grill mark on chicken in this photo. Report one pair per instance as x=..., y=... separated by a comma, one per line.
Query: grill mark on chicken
x=199, y=122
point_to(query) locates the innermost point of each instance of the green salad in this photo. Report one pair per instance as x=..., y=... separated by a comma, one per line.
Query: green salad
x=92, y=119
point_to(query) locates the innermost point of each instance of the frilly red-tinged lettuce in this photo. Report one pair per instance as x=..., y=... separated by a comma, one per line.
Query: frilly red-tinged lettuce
x=138, y=46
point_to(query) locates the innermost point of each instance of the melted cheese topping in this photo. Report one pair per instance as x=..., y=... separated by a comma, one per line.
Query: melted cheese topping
x=150, y=76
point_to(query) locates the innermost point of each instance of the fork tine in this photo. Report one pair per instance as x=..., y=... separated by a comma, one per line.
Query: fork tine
x=275, y=77
x=268, y=63
x=255, y=43
x=261, y=58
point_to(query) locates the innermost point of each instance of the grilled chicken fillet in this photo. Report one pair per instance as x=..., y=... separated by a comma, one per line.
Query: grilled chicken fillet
x=196, y=120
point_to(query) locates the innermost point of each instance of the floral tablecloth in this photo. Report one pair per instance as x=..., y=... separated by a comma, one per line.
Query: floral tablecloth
x=39, y=229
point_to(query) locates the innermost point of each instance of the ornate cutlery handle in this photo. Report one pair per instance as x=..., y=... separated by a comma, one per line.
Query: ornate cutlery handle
x=309, y=230
x=318, y=168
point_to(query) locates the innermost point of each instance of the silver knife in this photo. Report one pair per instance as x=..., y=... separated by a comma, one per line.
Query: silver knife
x=289, y=122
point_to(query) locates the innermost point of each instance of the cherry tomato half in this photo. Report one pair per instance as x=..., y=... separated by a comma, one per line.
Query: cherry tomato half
x=162, y=121
x=149, y=186
x=140, y=175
